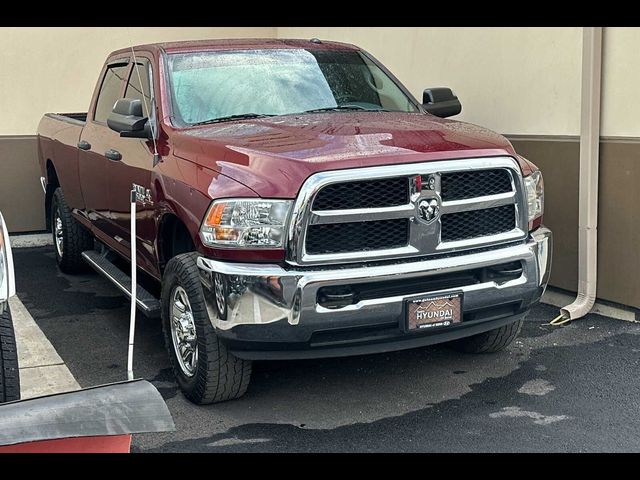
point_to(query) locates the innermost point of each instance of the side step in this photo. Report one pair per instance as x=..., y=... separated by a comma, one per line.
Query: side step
x=147, y=303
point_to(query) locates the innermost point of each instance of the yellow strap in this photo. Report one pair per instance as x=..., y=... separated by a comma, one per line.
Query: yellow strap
x=557, y=321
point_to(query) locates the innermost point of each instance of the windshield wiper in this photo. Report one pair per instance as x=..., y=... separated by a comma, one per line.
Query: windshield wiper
x=338, y=108
x=233, y=117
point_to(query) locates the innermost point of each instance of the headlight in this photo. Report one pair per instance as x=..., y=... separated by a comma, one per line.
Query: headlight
x=535, y=196
x=246, y=223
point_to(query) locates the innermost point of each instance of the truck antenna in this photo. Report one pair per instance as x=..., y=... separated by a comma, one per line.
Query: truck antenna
x=156, y=155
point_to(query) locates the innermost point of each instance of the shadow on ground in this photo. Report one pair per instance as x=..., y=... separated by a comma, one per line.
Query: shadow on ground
x=573, y=388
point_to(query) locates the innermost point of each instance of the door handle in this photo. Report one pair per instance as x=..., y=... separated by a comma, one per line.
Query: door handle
x=112, y=154
x=84, y=145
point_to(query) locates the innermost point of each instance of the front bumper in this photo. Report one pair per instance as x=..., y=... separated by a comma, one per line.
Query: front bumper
x=269, y=312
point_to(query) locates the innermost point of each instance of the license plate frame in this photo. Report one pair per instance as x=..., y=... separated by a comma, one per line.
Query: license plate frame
x=433, y=311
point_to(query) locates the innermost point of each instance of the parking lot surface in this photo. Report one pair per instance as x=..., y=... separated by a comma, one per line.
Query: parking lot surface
x=573, y=388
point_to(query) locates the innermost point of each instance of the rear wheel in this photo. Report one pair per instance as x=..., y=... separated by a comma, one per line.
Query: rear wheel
x=204, y=369
x=70, y=238
x=9, y=373
x=491, y=341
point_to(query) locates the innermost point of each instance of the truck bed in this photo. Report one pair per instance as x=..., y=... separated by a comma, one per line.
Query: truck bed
x=76, y=118
x=58, y=137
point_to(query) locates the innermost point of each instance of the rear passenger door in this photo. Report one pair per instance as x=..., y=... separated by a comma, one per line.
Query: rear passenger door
x=96, y=139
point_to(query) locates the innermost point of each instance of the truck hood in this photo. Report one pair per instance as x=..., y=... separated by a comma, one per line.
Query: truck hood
x=274, y=156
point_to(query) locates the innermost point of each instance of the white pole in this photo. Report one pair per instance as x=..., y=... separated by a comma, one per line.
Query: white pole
x=589, y=166
x=134, y=290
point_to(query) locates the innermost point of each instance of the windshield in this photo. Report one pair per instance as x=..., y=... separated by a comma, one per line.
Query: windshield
x=210, y=86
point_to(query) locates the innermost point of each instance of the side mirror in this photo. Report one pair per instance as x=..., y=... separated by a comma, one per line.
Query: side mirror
x=441, y=102
x=126, y=118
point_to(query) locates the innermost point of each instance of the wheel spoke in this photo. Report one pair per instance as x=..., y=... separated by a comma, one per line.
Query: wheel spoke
x=185, y=302
x=183, y=332
x=58, y=233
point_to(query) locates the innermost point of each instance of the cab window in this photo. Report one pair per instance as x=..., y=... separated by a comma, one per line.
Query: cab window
x=138, y=87
x=109, y=92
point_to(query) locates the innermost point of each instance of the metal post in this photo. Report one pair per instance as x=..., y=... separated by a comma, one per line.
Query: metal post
x=134, y=284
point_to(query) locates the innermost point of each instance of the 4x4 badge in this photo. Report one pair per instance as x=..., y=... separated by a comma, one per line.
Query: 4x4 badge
x=143, y=195
x=429, y=209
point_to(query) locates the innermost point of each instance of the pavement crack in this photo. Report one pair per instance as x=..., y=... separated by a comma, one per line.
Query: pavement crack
x=43, y=366
x=538, y=418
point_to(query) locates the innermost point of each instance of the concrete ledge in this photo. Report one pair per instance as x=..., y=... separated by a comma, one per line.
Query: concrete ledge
x=42, y=371
x=560, y=299
x=31, y=240
x=46, y=380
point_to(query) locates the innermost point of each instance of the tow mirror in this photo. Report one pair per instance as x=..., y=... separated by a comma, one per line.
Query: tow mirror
x=441, y=102
x=127, y=119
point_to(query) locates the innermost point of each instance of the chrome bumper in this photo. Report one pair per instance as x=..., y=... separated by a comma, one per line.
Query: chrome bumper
x=259, y=295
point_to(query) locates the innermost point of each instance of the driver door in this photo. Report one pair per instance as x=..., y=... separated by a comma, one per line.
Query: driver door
x=135, y=167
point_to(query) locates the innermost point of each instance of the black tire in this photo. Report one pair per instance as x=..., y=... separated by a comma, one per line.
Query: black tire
x=9, y=373
x=491, y=341
x=219, y=375
x=75, y=238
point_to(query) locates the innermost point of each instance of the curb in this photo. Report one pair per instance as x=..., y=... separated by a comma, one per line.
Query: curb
x=31, y=240
x=560, y=299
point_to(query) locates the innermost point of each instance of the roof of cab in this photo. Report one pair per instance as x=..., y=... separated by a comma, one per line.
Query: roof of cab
x=238, y=44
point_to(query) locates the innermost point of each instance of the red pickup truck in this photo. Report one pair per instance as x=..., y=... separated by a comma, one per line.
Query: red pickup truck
x=294, y=200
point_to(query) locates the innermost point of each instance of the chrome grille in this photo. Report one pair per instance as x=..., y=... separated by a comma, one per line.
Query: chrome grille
x=463, y=185
x=374, y=213
x=357, y=236
x=477, y=223
x=389, y=192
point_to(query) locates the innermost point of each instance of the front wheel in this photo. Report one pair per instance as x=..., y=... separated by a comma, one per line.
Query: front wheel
x=491, y=341
x=204, y=369
x=9, y=373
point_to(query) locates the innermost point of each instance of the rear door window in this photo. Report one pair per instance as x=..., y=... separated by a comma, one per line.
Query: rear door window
x=109, y=91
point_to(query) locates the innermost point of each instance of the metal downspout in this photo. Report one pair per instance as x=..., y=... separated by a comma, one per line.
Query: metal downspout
x=589, y=164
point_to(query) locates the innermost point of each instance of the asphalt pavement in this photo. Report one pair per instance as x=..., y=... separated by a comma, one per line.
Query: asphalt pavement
x=558, y=389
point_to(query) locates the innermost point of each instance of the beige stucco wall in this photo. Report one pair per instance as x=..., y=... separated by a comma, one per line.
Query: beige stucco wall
x=54, y=69
x=621, y=82
x=502, y=75
x=521, y=80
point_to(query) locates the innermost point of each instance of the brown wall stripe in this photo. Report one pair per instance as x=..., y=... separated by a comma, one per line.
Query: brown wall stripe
x=21, y=202
x=618, y=225
x=21, y=197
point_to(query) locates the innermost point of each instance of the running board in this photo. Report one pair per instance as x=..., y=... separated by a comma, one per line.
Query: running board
x=147, y=303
